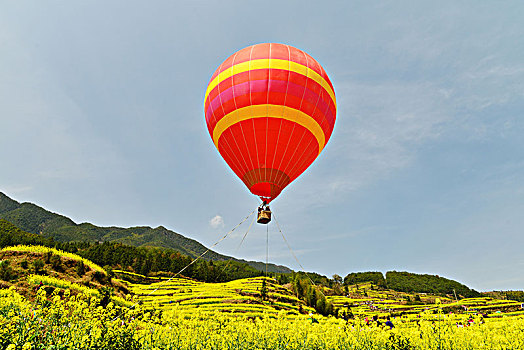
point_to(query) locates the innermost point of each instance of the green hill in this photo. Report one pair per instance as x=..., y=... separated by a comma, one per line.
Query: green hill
x=412, y=283
x=34, y=219
x=144, y=260
x=422, y=283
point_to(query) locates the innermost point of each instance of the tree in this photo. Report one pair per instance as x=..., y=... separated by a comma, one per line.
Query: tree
x=263, y=290
x=6, y=272
x=337, y=285
x=311, y=296
x=299, y=288
x=321, y=306
x=337, y=279
x=375, y=277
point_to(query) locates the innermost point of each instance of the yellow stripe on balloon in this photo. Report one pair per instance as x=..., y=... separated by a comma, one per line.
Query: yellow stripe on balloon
x=273, y=63
x=271, y=111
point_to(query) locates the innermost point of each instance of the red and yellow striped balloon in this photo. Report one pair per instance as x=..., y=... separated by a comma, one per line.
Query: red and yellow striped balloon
x=270, y=110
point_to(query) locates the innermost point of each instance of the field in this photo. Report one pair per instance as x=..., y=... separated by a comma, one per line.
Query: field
x=239, y=297
x=252, y=313
x=79, y=322
x=367, y=301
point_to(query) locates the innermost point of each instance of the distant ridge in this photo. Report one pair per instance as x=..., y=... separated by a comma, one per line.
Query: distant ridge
x=32, y=218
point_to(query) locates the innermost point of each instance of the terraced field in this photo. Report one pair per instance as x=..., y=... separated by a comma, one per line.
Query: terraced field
x=241, y=297
x=367, y=301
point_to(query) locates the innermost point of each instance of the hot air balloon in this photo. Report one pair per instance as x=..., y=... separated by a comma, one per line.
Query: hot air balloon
x=270, y=110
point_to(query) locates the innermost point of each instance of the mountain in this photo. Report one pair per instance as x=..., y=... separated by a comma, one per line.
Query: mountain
x=34, y=219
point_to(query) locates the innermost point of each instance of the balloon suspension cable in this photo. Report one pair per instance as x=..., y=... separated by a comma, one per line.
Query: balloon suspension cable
x=232, y=257
x=239, y=245
x=195, y=260
x=267, y=246
x=294, y=255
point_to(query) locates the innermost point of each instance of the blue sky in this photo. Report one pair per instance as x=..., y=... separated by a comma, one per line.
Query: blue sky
x=101, y=120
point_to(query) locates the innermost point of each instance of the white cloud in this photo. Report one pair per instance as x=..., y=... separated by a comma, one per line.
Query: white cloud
x=377, y=134
x=217, y=222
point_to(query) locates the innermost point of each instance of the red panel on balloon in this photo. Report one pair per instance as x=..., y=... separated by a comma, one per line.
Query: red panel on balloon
x=267, y=151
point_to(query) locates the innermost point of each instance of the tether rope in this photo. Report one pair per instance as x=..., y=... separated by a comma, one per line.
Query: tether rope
x=293, y=253
x=238, y=247
x=267, y=245
x=195, y=260
x=232, y=257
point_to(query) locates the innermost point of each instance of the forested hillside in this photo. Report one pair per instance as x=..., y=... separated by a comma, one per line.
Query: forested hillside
x=146, y=250
x=411, y=283
x=34, y=219
x=376, y=278
x=143, y=260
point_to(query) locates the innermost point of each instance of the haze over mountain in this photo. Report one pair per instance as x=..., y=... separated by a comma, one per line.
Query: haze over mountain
x=34, y=219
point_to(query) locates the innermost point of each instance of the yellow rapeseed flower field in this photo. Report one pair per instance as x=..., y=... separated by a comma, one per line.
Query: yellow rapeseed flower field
x=64, y=321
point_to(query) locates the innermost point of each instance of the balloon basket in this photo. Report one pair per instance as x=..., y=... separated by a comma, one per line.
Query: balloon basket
x=264, y=217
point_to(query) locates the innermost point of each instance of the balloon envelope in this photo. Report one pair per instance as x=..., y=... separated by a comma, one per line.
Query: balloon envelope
x=270, y=110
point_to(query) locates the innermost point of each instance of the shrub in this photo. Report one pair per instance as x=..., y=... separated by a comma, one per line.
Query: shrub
x=24, y=264
x=98, y=276
x=109, y=271
x=6, y=272
x=38, y=266
x=48, y=254
x=105, y=293
x=80, y=268
x=56, y=262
